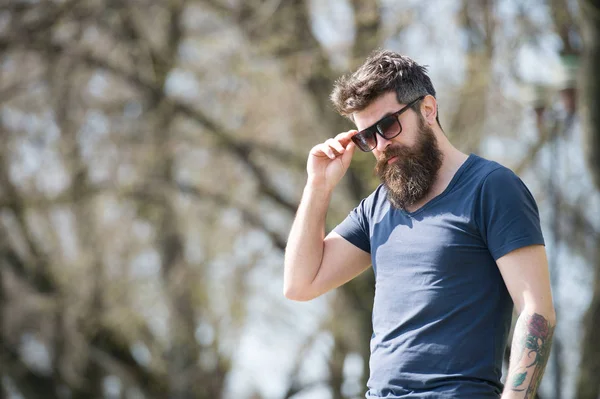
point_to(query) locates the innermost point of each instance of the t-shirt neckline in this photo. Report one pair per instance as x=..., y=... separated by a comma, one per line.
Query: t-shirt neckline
x=448, y=188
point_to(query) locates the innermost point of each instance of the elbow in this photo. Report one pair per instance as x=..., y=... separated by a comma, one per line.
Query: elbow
x=547, y=312
x=552, y=316
x=296, y=294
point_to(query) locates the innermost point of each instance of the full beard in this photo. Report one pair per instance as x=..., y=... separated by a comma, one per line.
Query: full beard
x=410, y=177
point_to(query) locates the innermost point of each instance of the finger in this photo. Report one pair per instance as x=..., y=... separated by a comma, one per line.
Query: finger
x=347, y=134
x=345, y=137
x=336, y=145
x=323, y=150
x=347, y=156
x=331, y=151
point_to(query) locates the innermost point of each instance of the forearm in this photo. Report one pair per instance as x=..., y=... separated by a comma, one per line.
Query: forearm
x=304, y=249
x=530, y=350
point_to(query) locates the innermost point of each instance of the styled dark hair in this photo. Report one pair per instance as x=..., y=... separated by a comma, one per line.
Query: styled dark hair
x=382, y=72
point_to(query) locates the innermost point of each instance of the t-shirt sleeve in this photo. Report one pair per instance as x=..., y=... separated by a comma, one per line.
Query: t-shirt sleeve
x=508, y=215
x=355, y=228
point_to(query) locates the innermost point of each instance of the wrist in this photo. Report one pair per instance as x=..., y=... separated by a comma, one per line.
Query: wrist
x=317, y=184
x=316, y=187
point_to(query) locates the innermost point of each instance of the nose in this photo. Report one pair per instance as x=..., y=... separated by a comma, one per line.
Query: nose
x=382, y=143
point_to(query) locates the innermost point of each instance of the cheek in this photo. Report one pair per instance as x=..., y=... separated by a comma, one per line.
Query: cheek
x=407, y=139
x=410, y=132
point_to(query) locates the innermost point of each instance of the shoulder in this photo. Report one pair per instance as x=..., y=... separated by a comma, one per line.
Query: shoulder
x=501, y=177
x=506, y=212
x=501, y=187
x=492, y=175
x=483, y=167
x=504, y=182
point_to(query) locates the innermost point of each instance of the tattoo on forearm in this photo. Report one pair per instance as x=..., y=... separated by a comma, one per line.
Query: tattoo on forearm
x=532, y=341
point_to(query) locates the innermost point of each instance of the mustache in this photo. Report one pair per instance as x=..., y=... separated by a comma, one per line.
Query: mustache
x=391, y=152
x=395, y=151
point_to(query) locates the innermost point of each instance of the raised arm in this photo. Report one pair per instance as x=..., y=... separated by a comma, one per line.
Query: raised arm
x=315, y=264
x=525, y=273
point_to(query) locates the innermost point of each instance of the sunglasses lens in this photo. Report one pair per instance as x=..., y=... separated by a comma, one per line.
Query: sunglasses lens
x=389, y=127
x=365, y=140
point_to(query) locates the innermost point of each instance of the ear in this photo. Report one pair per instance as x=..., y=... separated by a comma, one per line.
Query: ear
x=429, y=109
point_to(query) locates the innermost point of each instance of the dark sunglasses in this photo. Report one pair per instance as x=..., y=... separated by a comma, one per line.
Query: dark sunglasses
x=387, y=127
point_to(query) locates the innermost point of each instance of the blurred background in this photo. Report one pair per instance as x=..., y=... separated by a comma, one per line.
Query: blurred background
x=153, y=156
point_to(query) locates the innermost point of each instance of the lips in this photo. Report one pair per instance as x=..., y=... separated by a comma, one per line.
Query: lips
x=392, y=159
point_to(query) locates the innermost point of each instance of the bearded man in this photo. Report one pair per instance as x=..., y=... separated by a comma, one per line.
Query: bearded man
x=454, y=241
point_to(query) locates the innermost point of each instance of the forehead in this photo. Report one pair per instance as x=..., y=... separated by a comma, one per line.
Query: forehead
x=384, y=104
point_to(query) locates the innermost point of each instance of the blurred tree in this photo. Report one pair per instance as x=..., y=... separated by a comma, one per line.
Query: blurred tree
x=478, y=22
x=89, y=333
x=588, y=386
x=153, y=155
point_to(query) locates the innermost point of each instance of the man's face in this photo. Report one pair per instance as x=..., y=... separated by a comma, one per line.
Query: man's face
x=407, y=164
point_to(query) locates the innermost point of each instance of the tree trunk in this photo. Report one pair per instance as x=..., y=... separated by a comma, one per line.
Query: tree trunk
x=588, y=386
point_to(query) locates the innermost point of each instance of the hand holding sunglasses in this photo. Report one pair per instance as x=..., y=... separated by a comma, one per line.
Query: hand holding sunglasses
x=329, y=161
x=387, y=127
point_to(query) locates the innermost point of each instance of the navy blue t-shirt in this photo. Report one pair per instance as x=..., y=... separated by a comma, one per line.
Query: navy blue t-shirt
x=442, y=313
